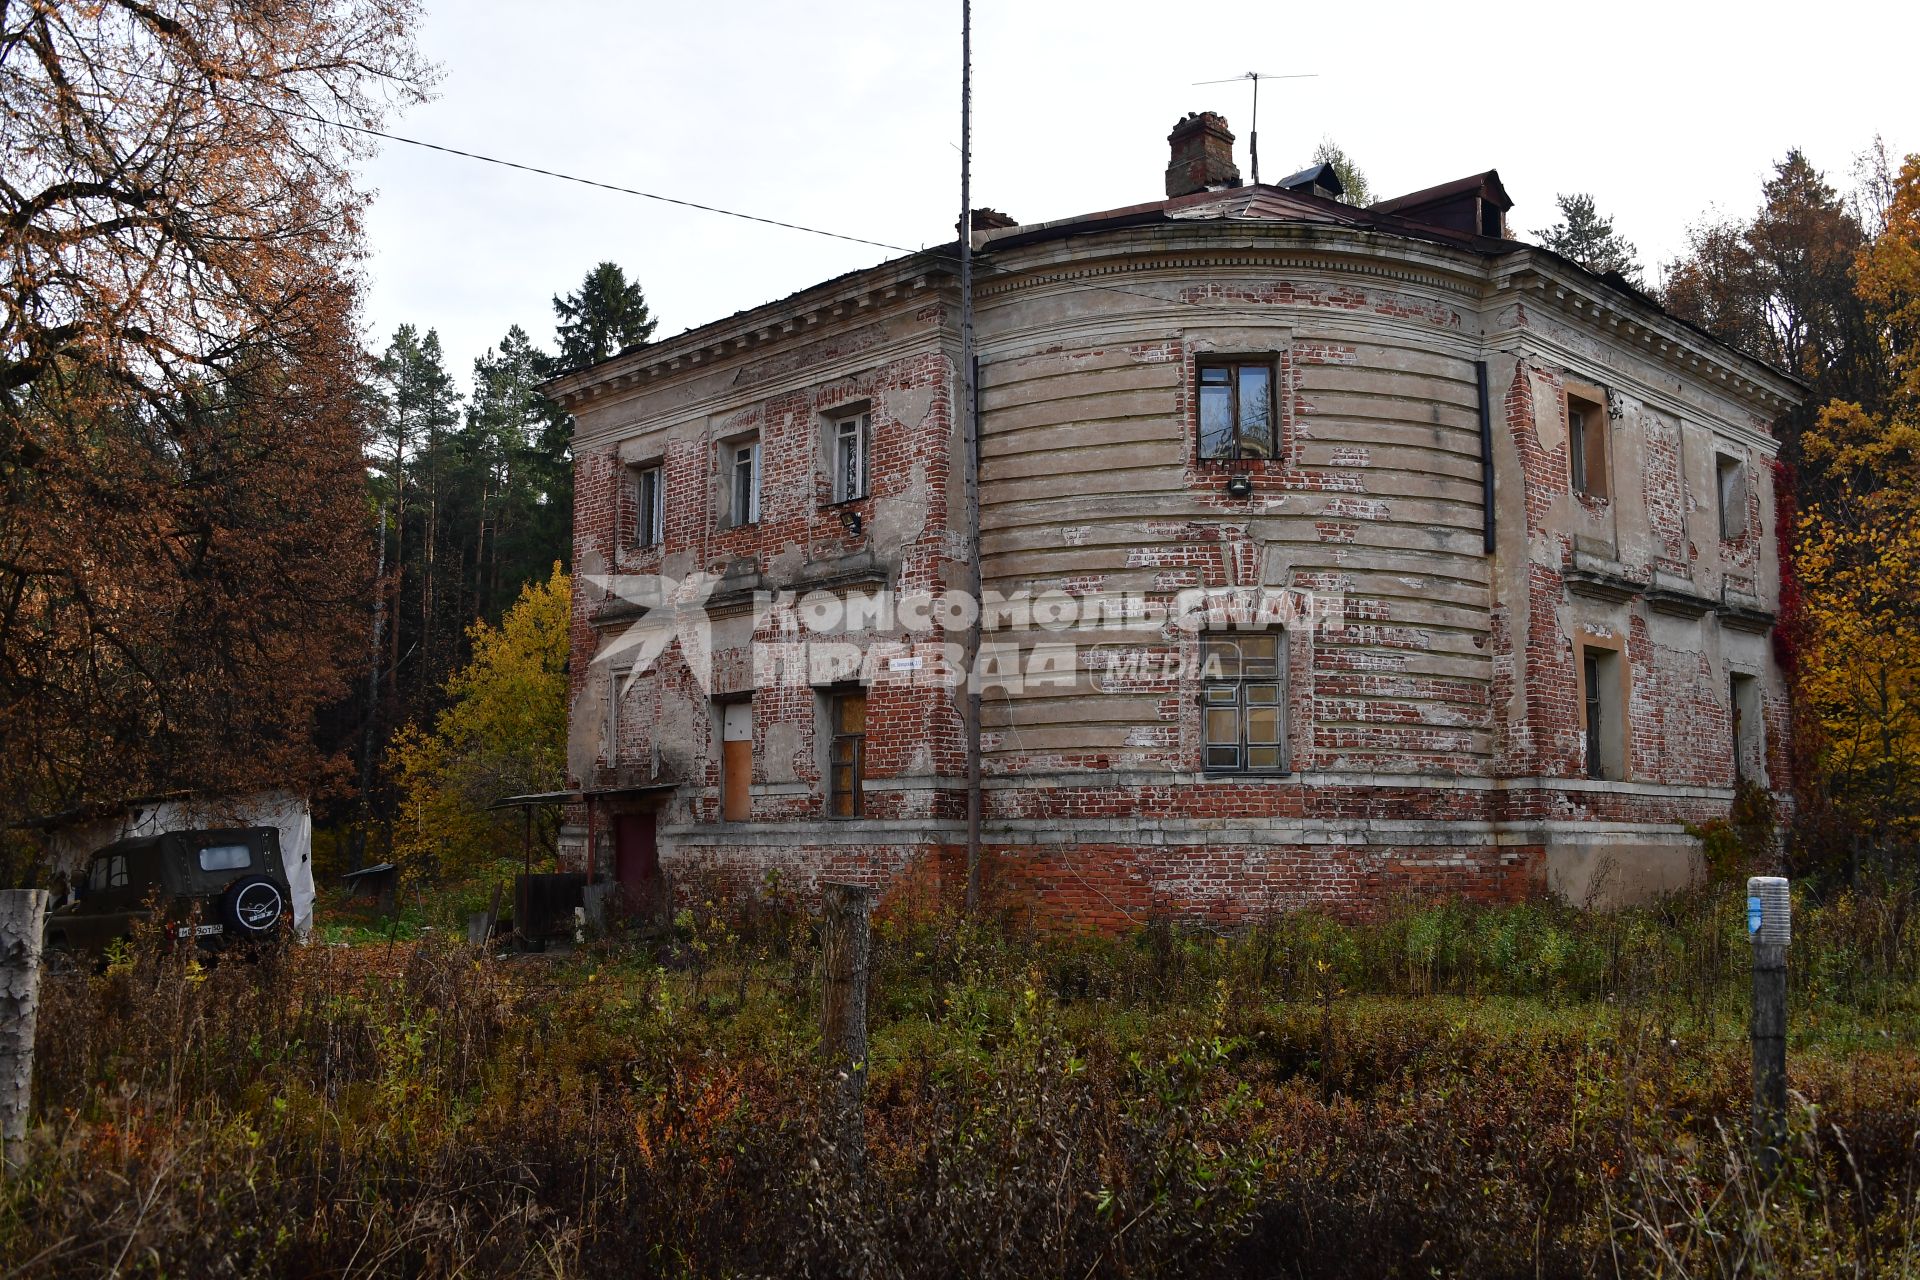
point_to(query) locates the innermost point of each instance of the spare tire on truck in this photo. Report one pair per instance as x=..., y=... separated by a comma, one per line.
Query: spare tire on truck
x=252, y=908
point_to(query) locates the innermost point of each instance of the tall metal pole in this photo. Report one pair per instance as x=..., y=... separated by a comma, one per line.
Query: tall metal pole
x=1253, y=140
x=970, y=435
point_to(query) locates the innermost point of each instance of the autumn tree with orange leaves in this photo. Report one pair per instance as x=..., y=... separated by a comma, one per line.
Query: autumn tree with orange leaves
x=185, y=548
x=1859, y=561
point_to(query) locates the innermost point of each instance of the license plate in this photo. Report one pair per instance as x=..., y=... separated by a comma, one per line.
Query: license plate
x=199, y=930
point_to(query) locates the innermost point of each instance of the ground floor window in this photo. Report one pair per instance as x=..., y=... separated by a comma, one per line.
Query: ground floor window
x=1240, y=702
x=846, y=753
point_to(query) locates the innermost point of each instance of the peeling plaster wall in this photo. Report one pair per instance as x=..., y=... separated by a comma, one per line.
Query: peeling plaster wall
x=1434, y=732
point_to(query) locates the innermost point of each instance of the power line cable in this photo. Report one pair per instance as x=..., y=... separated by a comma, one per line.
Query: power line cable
x=288, y=112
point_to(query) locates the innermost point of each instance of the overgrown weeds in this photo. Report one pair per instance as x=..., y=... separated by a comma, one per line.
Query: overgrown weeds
x=1444, y=1090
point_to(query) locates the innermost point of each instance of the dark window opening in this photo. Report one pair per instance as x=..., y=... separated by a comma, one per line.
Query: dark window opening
x=1595, y=767
x=650, y=507
x=846, y=754
x=1240, y=703
x=1236, y=409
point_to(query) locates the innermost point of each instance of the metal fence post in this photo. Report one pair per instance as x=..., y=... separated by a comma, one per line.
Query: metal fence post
x=1770, y=925
x=846, y=947
x=22, y=917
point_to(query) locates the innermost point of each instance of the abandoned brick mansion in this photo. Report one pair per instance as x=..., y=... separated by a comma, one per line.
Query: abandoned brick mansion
x=1325, y=553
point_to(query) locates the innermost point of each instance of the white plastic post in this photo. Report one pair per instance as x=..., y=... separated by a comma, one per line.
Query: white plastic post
x=1770, y=925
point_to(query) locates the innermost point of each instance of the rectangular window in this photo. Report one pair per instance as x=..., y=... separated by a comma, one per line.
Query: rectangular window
x=1240, y=677
x=744, y=463
x=736, y=760
x=1743, y=696
x=110, y=872
x=649, y=506
x=846, y=754
x=850, y=457
x=617, y=682
x=1587, y=443
x=1602, y=714
x=1236, y=409
x=1730, y=478
x=226, y=857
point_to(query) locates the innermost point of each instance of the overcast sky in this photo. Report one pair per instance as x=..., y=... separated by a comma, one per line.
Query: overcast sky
x=844, y=115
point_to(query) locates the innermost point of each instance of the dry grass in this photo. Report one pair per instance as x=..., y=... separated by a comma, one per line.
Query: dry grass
x=1514, y=1092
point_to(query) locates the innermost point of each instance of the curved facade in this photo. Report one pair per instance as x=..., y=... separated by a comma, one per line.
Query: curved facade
x=1473, y=596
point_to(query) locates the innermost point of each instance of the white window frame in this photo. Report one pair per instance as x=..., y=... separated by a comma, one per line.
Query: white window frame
x=650, y=509
x=743, y=509
x=615, y=692
x=849, y=429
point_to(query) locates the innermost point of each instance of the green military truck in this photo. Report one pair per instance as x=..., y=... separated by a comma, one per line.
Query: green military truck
x=214, y=888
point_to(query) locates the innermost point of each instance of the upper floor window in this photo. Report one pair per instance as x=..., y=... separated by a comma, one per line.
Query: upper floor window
x=1730, y=480
x=848, y=450
x=1240, y=681
x=1236, y=408
x=1587, y=442
x=649, y=494
x=743, y=480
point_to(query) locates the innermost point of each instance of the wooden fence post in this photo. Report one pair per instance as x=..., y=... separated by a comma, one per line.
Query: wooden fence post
x=22, y=916
x=846, y=946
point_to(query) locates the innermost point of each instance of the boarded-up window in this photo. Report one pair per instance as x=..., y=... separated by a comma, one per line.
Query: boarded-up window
x=846, y=754
x=1749, y=748
x=1587, y=443
x=1240, y=702
x=1730, y=476
x=736, y=760
x=1236, y=408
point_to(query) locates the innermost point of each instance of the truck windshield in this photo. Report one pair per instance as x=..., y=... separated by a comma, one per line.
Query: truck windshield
x=225, y=857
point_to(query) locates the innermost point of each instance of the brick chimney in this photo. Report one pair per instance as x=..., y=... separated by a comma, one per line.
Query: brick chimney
x=1202, y=155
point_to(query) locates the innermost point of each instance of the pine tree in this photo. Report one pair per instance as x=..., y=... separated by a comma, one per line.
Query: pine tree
x=1583, y=236
x=515, y=494
x=601, y=318
x=419, y=407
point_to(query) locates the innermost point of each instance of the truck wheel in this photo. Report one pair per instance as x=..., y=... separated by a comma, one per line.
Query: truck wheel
x=252, y=908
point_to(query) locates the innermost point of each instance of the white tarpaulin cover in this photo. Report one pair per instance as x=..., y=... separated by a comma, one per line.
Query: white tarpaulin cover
x=72, y=846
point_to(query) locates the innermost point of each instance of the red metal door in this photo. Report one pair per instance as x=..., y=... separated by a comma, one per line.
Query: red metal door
x=636, y=860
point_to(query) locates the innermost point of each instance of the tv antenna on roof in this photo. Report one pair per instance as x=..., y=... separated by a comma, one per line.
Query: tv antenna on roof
x=1253, y=135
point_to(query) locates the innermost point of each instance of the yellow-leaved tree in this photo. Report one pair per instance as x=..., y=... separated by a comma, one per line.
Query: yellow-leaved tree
x=1858, y=558
x=504, y=732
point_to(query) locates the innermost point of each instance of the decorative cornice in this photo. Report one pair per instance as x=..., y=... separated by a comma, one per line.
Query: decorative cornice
x=1650, y=332
x=764, y=328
